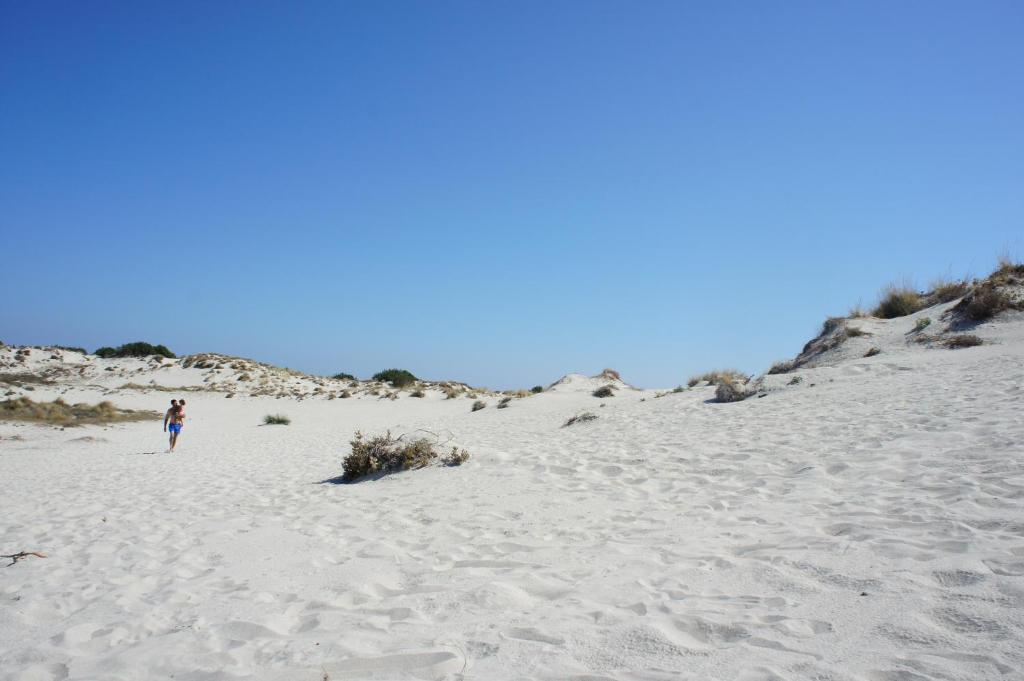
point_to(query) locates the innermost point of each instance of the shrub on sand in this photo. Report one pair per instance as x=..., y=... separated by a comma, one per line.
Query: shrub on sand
x=504, y=402
x=731, y=390
x=604, y=391
x=716, y=376
x=537, y=389
x=344, y=377
x=897, y=301
x=398, y=378
x=276, y=420
x=137, y=349
x=60, y=413
x=922, y=324
x=385, y=454
x=965, y=340
x=783, y=367
x=418, y=392
x=580, y=418
x=872, y=352
x=984, y=302
x=478, y=405
x=946, y=290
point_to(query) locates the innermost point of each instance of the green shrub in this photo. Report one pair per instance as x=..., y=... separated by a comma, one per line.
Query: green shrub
x=537, y=389
x=344, y=377
x=604, y=391
x=71, y=349
x=922, y=324
x=276, y=420
x=385, y=454
x=898, y=301
x=478, y=405
x=137, y=349
x=398, y=378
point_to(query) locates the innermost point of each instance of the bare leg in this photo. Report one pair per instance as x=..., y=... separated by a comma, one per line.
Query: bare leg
x=174, y=440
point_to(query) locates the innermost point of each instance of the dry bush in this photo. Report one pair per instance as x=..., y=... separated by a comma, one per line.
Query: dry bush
x=964, y=340
x=276, y=420
x=504, y=402
x=731, y=390
x=61, y=413
x=922, y=324
x=717, y=376
x=783, y=367
x=946, y=290
x=580, y=418
x=345, y=394
x=897, y=301
x=604, y=391
x=609, y=375
x=984, y=302
x=418, y=392
x=1008, y=273
x=855, y=332
x=872, y=352
x=450, y=392
x=478, y=405
x=385, y=454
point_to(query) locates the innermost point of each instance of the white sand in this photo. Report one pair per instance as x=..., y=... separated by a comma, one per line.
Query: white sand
x=867, y=523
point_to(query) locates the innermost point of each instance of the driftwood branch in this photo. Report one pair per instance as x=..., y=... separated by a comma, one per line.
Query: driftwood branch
x=22, y=555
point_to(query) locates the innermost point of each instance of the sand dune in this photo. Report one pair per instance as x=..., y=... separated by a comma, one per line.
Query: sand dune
x=865, y=522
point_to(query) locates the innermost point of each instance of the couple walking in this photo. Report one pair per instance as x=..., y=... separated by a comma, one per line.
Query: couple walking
x=175, y=419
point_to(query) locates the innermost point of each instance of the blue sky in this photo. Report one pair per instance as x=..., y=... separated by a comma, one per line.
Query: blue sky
x=497, y=192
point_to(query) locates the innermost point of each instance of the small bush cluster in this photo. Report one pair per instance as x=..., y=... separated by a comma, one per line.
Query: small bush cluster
x=717, y=376
x=71, y=349
x=897, y=301
x=984, y=302
x=944, y=290
x=580, y=418
x=276, y=420
x=872, y=352
x=478, y=405
x=783, y=367
x=398, y=378
x=604, y=391
x=537, y=389
x=418, y=392
x=731, y=390
x=922, y=324
x=61, y=413
x=965, y=340
x=344, y=377
x=385, y=454
x=137, y=349
x=504, y=402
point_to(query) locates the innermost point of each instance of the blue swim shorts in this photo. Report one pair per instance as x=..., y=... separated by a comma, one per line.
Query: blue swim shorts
x=175, y=428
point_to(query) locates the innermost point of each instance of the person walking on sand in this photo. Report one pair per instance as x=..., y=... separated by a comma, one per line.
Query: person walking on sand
x=174, y=419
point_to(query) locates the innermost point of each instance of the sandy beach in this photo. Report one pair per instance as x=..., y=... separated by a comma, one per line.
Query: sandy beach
x=864, y=521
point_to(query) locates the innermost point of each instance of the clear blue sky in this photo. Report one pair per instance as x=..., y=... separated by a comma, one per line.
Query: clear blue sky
x=496, y=192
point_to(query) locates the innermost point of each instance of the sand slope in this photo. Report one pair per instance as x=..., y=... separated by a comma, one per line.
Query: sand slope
x=865, y=523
